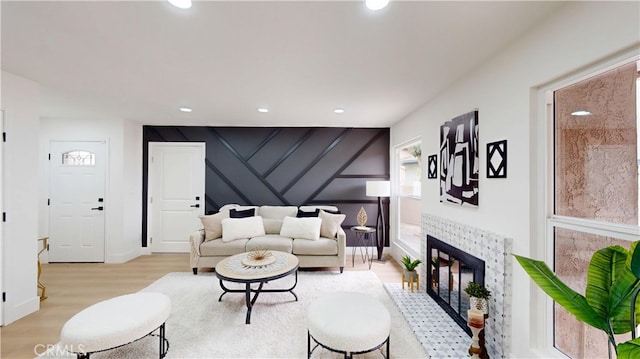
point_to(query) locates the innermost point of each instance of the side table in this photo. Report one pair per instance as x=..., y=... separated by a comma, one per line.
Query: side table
x=363, y=239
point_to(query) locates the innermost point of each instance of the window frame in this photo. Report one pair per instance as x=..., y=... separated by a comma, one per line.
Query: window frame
x=399, y=241
x=91, y=156
x=546, y=212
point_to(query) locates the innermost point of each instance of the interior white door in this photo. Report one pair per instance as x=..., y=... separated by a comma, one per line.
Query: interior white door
x=176, y=188
x=1, y=221
x=77, y=201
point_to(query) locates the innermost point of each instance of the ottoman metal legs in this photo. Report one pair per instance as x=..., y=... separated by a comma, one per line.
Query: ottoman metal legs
x=162, y=352
x=347, y=355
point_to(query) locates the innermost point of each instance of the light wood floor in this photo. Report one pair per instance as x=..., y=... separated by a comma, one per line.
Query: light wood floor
x=72, y=287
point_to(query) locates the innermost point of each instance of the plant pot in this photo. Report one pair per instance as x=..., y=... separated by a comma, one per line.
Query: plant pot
x=479, y=303
x=410, y=275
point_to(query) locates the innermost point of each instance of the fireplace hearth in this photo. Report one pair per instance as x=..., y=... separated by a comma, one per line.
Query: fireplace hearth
x=450, y=270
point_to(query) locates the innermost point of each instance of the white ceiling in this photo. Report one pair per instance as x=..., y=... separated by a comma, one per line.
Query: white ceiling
x=143, y=60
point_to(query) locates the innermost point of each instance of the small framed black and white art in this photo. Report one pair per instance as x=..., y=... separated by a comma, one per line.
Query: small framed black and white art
x=497, y=159
x=432, y=166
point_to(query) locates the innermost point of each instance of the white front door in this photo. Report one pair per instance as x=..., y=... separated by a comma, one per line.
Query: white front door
x=176, y=194
x=77, y=201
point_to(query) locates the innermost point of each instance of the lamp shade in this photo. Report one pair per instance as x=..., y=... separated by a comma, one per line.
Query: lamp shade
x=378, y=188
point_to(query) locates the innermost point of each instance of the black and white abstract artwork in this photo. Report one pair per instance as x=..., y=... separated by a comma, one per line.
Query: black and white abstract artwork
x=432, y=166
x=459, y=164
x=497, y=159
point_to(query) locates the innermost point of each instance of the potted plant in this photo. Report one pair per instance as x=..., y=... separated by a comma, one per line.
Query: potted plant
x=410, y=267
x=478, y=296
x=613, y=284
x=409, y=274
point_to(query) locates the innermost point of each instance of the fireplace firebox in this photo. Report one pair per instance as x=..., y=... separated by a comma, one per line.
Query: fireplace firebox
x=450, y=270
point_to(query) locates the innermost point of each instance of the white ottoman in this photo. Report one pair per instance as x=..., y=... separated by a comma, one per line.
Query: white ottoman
x=115, y=322
x=348, y=323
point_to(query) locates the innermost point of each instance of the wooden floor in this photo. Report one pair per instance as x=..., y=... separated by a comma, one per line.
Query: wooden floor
x=72, y=287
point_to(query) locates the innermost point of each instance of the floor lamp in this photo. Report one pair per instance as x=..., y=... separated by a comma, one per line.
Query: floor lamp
x=379, y=189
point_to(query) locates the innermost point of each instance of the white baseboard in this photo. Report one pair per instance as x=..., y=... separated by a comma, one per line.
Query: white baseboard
x=123, y=257
x=145, y=251
x=13, y=313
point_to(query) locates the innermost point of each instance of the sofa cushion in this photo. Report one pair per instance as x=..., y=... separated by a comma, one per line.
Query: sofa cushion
x=332, y=209
x=274, y=242
x=304, y=228
x=272, y=226
x=330, y=223
x=213, y=225
x=240, y=213
x=321, y=247
x=217, y=247
x=238, y=228
x=277, y=212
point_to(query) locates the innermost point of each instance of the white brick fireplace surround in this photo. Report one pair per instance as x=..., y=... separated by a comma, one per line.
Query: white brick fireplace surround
x=495, y=250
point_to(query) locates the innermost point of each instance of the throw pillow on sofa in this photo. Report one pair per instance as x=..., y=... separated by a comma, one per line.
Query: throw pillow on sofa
x=303, y=214
x=238, y=228
x=240, y=213
x=330, y=223
x=303, y=228
x=213, y=225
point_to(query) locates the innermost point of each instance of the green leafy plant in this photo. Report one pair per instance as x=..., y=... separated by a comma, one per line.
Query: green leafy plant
x=409, y=264
x=415, y=151
x=477, y=290
x=613, y=282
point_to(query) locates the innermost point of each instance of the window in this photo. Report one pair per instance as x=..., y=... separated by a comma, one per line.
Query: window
x=596, y=159
x=408, y=159
x=78, y=158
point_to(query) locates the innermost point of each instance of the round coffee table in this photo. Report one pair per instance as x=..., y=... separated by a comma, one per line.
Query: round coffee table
x=239, y=269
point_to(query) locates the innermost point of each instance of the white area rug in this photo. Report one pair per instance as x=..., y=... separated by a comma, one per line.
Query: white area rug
x=202, y=327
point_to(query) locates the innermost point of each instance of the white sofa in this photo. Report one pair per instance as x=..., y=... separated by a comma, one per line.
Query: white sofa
x=316, y=241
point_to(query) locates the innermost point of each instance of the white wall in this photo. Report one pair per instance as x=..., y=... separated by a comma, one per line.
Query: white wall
x=504, y=91
x=132, y=187
x=20, y=102
x=123, y=213
x=26, y=188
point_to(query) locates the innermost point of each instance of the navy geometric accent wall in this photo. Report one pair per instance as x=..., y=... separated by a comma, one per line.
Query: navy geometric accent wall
x=284, y=166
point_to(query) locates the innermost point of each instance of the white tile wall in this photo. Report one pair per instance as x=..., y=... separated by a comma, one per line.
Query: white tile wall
x=494, y=249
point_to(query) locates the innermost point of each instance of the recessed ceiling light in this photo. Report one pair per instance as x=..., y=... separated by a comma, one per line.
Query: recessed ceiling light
x=263, y=109
x=182, y=4
x=376, y=4
x=339, y=110
x=185, y=109
x=581, y=113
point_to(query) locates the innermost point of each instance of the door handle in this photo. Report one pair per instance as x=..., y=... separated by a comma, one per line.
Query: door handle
x=97, y=208
x=197, y=205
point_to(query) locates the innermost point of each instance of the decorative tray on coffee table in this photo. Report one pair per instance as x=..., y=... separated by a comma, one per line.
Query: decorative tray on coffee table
x=258, y=258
